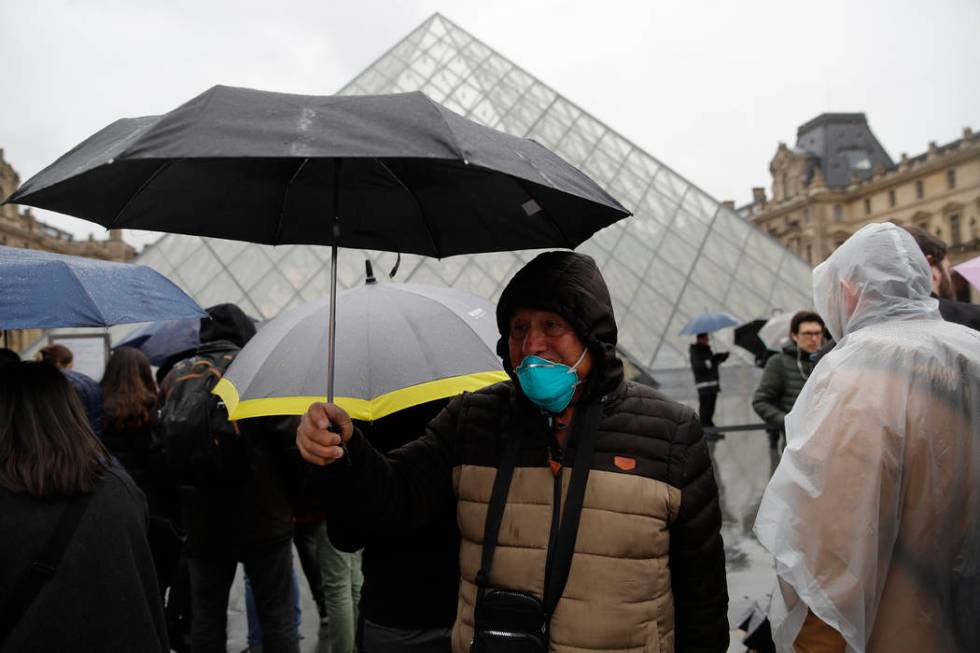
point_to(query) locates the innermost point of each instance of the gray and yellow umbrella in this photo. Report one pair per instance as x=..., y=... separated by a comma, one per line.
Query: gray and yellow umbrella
x=398, y=345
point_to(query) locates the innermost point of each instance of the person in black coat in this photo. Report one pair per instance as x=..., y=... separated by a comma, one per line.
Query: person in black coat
x=407, y=608
x=103, y=594
x=248, y=521
x=704, y=364
x=935, y=252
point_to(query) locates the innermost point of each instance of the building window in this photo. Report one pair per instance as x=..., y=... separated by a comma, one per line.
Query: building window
x=806, y=215
x=919, y=191
x=891, y=198
x=809, y=254
x=951, y=178
x=955, y=237
x=867, y=206
x=838, y=212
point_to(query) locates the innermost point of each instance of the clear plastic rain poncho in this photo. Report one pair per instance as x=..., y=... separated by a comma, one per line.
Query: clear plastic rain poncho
x=873, y=514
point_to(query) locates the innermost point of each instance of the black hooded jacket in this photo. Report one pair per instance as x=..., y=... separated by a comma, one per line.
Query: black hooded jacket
x=645, y=442
x=248, y=518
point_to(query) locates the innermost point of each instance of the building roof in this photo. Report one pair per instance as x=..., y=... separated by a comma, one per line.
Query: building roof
x=844, y=146
x=681, y=254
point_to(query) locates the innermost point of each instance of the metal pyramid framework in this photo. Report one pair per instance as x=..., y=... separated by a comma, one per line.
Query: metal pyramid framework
x=681, y=254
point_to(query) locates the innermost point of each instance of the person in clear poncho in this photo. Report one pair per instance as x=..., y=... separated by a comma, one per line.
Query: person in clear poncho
x=873, y=515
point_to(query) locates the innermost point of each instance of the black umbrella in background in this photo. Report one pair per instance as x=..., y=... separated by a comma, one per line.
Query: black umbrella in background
x=747, y=337
x=397, y=173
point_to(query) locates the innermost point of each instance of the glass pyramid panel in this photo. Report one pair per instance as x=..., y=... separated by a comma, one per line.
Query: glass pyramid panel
x=682, y=253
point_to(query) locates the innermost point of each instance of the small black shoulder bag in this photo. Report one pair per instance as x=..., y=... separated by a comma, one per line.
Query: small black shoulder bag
x=511, y=620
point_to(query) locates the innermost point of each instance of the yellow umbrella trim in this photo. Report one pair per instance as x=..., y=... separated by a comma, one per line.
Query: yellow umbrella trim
x=362, y=409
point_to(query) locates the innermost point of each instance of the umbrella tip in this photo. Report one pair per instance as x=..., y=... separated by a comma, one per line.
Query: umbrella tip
x=369, y=272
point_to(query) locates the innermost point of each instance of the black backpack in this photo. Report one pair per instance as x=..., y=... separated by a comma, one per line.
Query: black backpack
x=202, y=446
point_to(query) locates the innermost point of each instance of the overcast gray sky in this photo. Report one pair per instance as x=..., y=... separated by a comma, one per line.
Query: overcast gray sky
x=709, y=88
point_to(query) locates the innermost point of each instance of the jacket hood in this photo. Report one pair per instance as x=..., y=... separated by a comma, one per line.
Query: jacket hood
x=878, y=275
x=569, y=284
x=227, y=322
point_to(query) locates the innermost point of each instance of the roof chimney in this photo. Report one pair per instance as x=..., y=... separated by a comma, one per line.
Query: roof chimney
x=759, y=196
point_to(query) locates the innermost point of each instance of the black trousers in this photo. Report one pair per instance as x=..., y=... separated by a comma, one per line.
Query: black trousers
x=706, y=407
x=271, y=577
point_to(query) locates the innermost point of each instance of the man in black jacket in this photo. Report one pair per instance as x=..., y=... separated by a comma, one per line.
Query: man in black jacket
x=647, y=564
x=942, y=284
x=248, y=521
x=704, y=364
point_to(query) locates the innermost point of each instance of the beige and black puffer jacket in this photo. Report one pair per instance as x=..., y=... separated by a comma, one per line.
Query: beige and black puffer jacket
x=648, y=573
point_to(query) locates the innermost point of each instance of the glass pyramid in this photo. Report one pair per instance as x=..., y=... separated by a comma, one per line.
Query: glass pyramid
x=682, y=253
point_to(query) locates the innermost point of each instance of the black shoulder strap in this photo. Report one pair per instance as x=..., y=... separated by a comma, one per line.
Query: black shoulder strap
x=44, y=567
x=560, y=559
x=495, y=511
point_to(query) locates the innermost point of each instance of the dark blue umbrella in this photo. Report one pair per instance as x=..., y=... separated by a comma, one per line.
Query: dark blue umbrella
x=40, y=290
x=709, y=322
x=161, y=340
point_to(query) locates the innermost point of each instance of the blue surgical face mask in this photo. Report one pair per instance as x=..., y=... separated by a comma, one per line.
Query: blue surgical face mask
x=549, y=385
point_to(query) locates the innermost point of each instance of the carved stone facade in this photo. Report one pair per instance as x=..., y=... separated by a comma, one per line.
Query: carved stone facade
x=19, y=228
x=838, y=178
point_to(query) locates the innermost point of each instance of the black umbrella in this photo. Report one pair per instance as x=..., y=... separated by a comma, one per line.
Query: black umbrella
x=747, y=337
x=388, y=172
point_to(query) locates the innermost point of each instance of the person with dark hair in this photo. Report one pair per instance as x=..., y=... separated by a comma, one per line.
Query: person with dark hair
x=243, y=518
x=935, y=252
x=635, y=562
x=77, y=574
x=784, y=376
x=87, y=388
x=704, y=364
x=129, y=414
x=8, y=356
x=129, y=406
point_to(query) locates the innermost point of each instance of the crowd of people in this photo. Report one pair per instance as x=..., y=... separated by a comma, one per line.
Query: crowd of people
x=565, y=509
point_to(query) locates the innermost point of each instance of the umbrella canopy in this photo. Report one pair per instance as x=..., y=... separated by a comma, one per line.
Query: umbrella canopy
x=970, y=270
x=387, y=172
x=708, y=323
x=398, y=345
x=161, y=340
x=747, y=337
x=41, y=290
x=775, y=332
x=391, y=172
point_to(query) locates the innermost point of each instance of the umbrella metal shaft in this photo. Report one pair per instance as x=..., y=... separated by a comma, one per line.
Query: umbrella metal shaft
x=332, y=323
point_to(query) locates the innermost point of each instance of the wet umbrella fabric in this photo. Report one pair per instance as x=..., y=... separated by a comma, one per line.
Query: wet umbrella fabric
x=398, y=172
x=970, y=270
x=747, y=337
x=386, y=172
x=709, y=323
x=775, y=332
x=42, y=290
x=398, y=345
x=162, y=340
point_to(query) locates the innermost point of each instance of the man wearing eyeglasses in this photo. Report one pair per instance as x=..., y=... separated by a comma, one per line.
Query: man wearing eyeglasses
x=785, y=375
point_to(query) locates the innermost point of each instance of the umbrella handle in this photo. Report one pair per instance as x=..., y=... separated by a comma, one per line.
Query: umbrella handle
x=332, y=322
x=332, y=334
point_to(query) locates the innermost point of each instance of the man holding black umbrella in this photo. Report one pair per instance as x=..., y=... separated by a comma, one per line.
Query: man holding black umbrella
x=635, y=561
